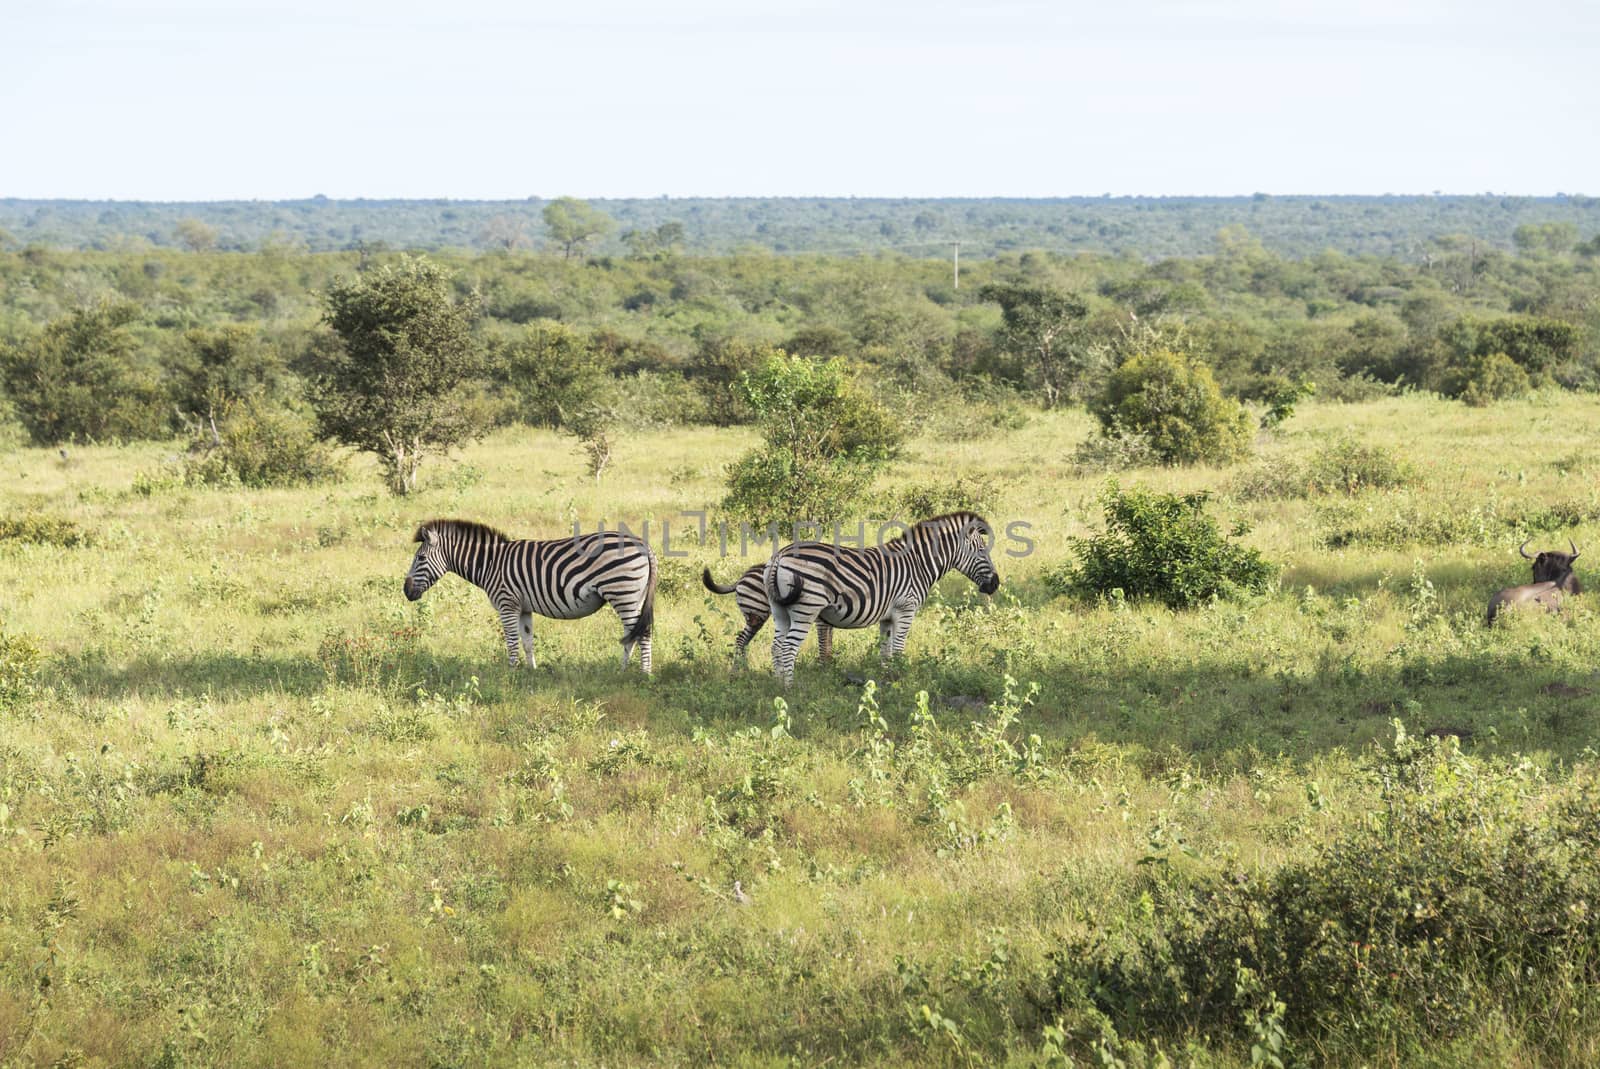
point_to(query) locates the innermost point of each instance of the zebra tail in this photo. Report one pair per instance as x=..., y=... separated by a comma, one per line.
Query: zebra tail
x=711, y=584
x=647, y=614
x=794, y=590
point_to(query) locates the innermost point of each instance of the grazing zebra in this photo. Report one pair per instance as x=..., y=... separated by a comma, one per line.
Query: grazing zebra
x=564, y=578
x=751, y=588
x=814, y=582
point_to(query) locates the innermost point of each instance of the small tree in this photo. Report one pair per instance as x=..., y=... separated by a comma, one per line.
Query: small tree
x=225, y=363
x=824, y=440
x=1162, y=546
x=1487, y=379
x=593, y=426
x=78, y=378
x=194, y=235
x=554, y=373
x=254, y=442
x=573, y=224
x=1039, y=328
x=399, y=386
x=1173, y=402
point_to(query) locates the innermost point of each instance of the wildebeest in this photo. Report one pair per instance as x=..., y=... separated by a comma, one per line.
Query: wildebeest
x=1553, y=579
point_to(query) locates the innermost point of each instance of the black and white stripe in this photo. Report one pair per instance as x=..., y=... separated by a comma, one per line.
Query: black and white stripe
x=563, y=578
x=816, y=583
x=751, y=595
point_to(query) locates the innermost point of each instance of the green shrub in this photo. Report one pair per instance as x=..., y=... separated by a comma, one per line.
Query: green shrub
x=1174, y=402
x=1115, y=450
x=1273, y=479
x=651, y=399
x=1346, y=466
x=1343, y=466
x=825, y=439
x=81, y=378
x=918, y=501
x=552, y=372
x=1162, y=546
x=1491, y=378
x=42, y=529
x=1280, y=394
x=1465, y=893
x=13, y=435
x=254, y=443
x=20, y=662
x=225, y=362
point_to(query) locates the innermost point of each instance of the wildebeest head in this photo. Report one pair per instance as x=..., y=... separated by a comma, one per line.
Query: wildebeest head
x=1553, y=566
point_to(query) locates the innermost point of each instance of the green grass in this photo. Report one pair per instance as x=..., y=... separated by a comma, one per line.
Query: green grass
x=258, y=809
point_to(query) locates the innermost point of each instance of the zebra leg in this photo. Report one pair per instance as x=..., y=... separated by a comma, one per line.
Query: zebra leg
x=885, y=635
x=526, y=629
x=825, y=642
x=752, y=624
x=786, y=647
x=898, y=634
x=629, y=612
x=511, y=624
x=786, y=644
x=782, y=620
x=643, y=643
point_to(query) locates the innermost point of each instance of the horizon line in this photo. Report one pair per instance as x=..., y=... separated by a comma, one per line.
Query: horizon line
x=542, y=198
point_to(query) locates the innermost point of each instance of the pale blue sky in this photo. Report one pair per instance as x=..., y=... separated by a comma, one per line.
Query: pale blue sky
x=212, y=99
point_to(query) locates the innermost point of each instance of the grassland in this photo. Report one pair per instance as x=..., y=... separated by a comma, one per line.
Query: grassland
x=258, y=809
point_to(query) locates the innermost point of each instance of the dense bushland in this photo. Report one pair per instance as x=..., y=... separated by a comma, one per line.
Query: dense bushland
x=661, y=227
x=100, y=345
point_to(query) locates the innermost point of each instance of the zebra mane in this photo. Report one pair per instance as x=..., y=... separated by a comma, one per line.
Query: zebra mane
x=465, y=527
x=958, y=519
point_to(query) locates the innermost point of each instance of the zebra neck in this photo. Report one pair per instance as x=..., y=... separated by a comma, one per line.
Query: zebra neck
x=927, y=568
x=474, y=563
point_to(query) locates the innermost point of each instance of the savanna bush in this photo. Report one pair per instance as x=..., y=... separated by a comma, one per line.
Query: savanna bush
x=1343, y=466
x=552, y=372
x=1348, y=466
x=369, y=658
x=919, y=501
x=20, y=664
x=824, y=440
x=82, y=377
x=257, y=444
x=1162, y=546
x=651, y=399
x=1116, y=449
x=42, y=529
x=1490, y=378
x=1174, y=402
x=1469, y=891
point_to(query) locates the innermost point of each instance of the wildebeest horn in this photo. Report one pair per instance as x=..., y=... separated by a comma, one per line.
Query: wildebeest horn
x=1523, y=549
x=1574, y=546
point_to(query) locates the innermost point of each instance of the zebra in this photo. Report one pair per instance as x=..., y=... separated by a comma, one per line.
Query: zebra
x=814, y=582
x=751, y=588
x=563, y=578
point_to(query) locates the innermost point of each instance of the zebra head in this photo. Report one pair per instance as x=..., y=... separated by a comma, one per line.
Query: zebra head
x=974, y=539
x=429, y=565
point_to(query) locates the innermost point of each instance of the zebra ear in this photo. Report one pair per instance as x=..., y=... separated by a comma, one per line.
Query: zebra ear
x=423, y=535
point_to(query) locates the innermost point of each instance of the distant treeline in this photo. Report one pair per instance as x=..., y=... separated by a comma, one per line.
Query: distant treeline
x=1145, y=227
x=146, y=343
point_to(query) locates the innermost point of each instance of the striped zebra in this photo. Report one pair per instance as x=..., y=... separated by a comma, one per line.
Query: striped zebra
x=814, y=582
x=751, y=588
x=563, y=578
